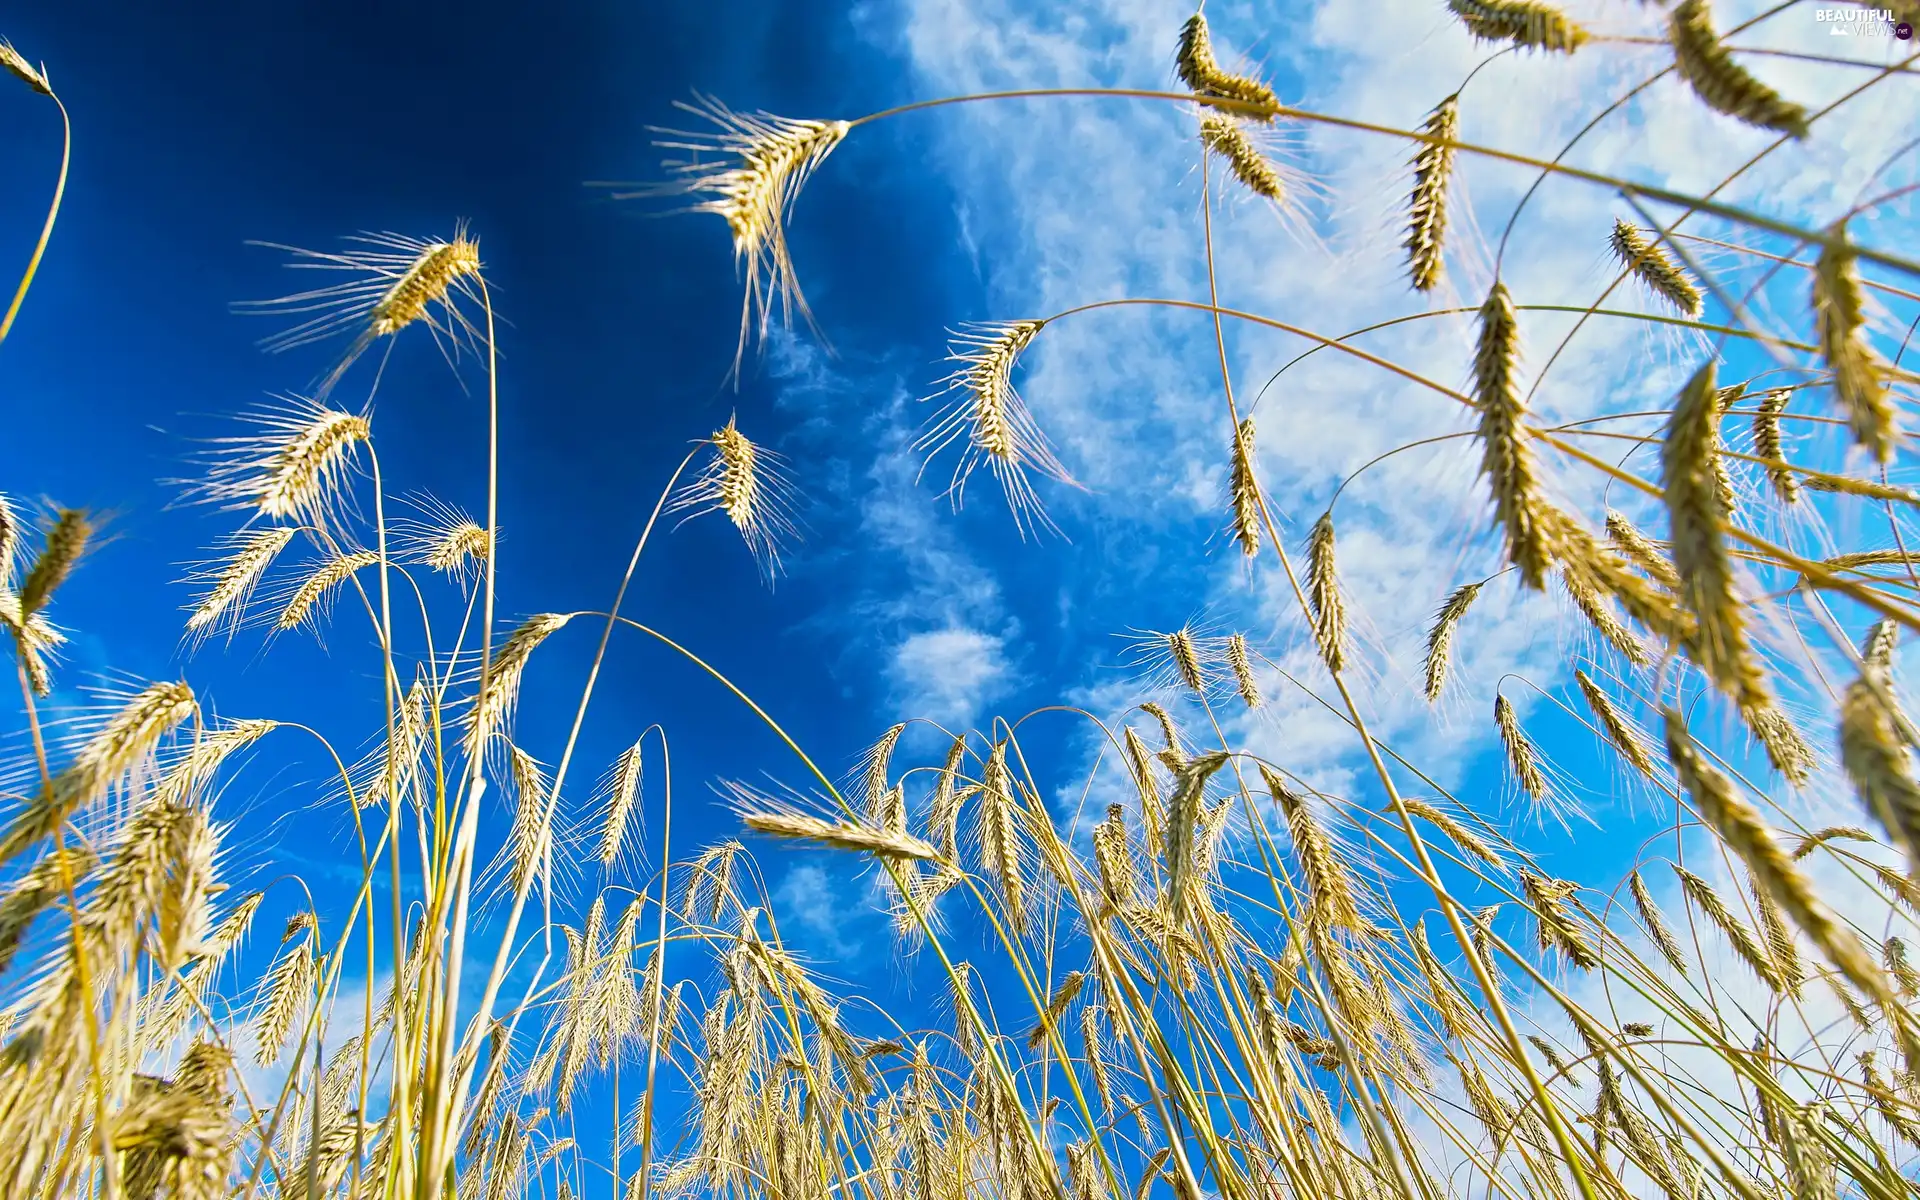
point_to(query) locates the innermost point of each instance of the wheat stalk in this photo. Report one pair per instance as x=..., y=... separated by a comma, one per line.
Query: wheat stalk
x=66, y=541
x=1874, y=756
x=1641, y=550
x=765, y=162
x=1721, y=83
x=237, y=578
x=1655, y=924
x=989, y=418
x=621, y=795
x=21, y=69
x=1593, y=606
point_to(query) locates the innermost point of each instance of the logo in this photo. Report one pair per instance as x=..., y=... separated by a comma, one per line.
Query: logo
x=1862, y=22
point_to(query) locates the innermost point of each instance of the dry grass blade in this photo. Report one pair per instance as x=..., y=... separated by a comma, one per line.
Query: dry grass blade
x=21, y=69
x=1246, y=491
x=842, y=835
x=1619, y=730
x=1521, y=22
x=1840, y=320
x=1323, y=595
x=1723, y=84
x=1223, y=136
x=1742, y=828
x=1446, y=622
x=1427, y=209
x=1694, y=510
x=1506, y=459
x=1767, y=444
x=1651, y=266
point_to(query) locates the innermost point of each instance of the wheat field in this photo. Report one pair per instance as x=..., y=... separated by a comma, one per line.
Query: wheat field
x=1205, y=974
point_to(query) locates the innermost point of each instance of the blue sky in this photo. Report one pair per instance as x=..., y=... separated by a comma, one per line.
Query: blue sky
x=200, y=127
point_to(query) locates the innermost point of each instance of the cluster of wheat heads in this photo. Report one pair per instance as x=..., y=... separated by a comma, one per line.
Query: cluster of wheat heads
x=1229, y=982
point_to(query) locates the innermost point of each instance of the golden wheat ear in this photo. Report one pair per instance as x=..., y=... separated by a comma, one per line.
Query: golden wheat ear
x=393, y=282
x=748, y=484
x=1521, y=22
x=749, y=169
x=17, y=66
x=1651, y=266
x=1720, y=82
x=993, y=424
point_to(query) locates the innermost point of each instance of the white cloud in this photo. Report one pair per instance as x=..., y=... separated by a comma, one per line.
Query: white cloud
x=809, y=900
x=949, y=675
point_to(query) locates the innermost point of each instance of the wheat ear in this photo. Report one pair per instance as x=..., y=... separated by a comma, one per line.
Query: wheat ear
x=1874, y=755
x=65, y=543
x=1323, y=594
x=1742, y=828
x=1840, y=322
x=1695, y=513
x=1446, y=622
x=1655, y=924
x=1767, y=444
x=1650, y=265
x=1223, y=135
x=311, y=595
x=21, y=69
x=1329, y=887
x=842, y=835
x=1240, y=663
x=1520, y=752
x=1427, y=209
x=1721, y=83
x=621, y=796
x=1204, y=76
x=1641, y=550
x=1618, y=729
x=237, y=578
x=1505, y=457
x=1521, y=22
x=1246, y=491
